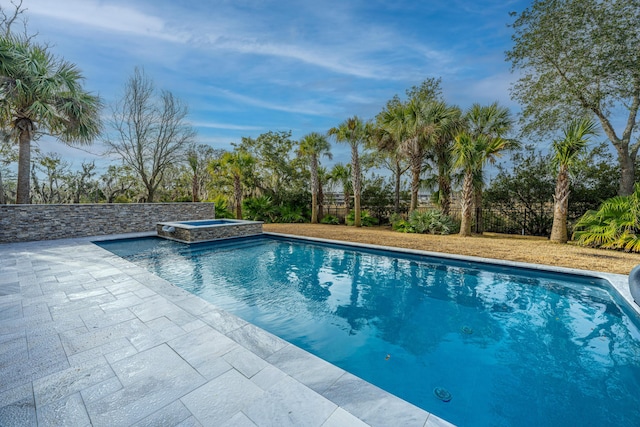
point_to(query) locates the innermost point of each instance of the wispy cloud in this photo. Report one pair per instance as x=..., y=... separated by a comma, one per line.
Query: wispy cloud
x=310, y=108
x=114, y=18
x=226, y=126
x=312, y=55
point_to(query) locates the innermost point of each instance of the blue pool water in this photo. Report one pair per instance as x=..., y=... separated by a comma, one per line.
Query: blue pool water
x=207, y=222
x=512, y=347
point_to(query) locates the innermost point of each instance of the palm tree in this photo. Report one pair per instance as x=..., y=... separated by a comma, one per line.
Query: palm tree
x=490, y=121
x=565, y=153
x=354, y=132
x=42, y=91
x=323, y=177
x=419, y=126
x=236, y=165
x=450, y=123
x=312, y=146
x=341, y=174
x=471, y=154
x=386, y=138
x=407, y=125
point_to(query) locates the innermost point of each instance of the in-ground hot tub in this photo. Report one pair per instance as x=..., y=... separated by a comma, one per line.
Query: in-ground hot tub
x=207, y=229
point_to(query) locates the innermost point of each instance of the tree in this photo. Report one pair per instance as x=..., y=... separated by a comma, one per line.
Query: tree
x=54, y=170
x=524, y=187
x=341, y=175
x=425, y=123
x=490, y=121
x=578, y=56
x=311, y=147
x=198, y=157
x=277, y=171
x=354, y=132
x=420, y=129
x=80, y=184
x=441, y=149
x=404, y=124
x=387, y=138
x=471, y=154
x=150, y=132
x=565, y=154
x=235, y=166
x=117, y=182
x=42, y=94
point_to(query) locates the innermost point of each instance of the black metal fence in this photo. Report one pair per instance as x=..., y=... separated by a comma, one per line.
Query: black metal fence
x=496, y=219
x=509, y=220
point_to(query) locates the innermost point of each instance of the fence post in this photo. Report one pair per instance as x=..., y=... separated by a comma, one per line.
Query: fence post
x=524, y=223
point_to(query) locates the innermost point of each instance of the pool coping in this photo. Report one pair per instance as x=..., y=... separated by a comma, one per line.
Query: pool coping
x=62, y=287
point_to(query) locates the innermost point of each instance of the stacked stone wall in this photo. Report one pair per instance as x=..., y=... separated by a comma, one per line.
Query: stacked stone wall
x=22, y=223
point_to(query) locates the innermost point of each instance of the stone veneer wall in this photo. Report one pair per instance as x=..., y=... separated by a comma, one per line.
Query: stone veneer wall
x=21, y=223
x=204, y=234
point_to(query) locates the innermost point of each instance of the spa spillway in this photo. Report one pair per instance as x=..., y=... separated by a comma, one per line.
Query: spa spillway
x=207, y=229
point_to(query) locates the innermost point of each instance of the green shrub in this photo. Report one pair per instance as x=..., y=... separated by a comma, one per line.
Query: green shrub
x=615, y=225
x=290, y=214
x=330, y=219
x=431, y=222
x=258, y=209
x=220, y=203
x=398, y=223
x=365, y=219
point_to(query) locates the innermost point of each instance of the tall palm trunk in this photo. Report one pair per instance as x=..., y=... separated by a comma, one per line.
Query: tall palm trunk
x=477, y=204
x=320, y=201
x=560, y=207
x=396, y=190
x=443, y=160
x=416, y=169
x=237, y=193
x=444, y=185
x=314, y=189
x=355, y=177
x=24, y=161
x=346, y=195
x=467, y=203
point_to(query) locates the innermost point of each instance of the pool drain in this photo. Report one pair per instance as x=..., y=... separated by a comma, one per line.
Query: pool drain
x=442, y=394
x=467, y=330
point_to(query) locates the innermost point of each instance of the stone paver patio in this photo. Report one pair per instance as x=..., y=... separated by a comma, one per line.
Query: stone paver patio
x=87, y=338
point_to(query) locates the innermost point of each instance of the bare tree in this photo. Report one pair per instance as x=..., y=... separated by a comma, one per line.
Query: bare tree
x=9, y=18
x=80, y=184
x=117, y=181
x=54, y=170
x=150, y=130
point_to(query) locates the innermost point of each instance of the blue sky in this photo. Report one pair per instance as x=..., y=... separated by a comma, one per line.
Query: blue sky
x=245, y=67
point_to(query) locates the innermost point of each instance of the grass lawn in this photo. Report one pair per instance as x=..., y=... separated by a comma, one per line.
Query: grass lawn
x=537, y=250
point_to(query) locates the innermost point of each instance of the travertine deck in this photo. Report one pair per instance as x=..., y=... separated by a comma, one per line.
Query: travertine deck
x=87, y=338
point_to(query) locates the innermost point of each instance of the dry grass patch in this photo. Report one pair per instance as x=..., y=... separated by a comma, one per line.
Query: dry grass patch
x=536, y=250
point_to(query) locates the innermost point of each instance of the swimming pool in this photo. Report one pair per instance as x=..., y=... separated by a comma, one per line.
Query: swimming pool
x=509, y=346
